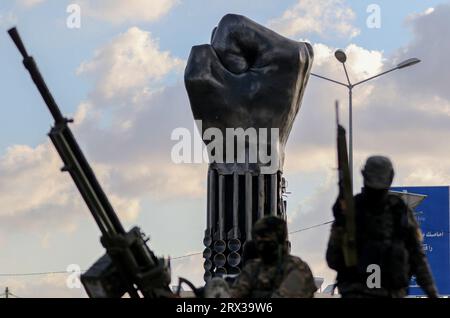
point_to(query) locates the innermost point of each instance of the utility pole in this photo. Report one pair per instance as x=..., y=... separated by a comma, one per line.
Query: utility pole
x=7, y=294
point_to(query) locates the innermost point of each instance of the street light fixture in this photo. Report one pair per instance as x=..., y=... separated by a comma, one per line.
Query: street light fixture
x=408, y=62
x=342, y=58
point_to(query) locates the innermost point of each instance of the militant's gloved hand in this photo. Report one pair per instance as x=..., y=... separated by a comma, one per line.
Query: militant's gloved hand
x=249, y=76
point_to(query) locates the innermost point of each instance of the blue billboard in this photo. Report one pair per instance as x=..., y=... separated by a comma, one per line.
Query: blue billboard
x=433, y=215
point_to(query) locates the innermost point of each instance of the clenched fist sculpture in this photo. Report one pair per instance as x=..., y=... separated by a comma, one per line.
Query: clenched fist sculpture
x=249, y=80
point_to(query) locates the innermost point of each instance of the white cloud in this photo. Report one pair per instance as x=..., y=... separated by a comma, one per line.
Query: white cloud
x=138, y=162
x=315, y=209
x=398, y=114
x=326, y=18
x=36, y=195
x=8, y=19
x=131, y=64
x=364, y=62
x=30, y=3
x=31, y=173
x=119, y=11
x=128, y=73
x=432, y=50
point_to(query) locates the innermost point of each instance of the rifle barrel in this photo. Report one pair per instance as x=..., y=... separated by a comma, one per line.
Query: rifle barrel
x=14, y=34
x=70, y=152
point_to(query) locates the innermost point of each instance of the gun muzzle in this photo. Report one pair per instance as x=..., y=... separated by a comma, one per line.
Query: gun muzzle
x=207, y=276
x=234, y=259
x=207, y=265
x=207, y=241
x=207, y=253
x=14, y=34
x=220, y=246
x=220, y=260
x=234, y=245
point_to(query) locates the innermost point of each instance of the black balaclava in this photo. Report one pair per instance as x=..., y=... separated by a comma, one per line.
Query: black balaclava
x=270, y=236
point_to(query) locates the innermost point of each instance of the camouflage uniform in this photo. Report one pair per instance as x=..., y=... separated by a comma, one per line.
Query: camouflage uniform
x=292, y=279
x=274, y=273
x=387, y=234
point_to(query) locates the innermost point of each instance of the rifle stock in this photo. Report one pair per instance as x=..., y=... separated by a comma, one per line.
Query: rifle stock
x=129, y=266
x=346, y=196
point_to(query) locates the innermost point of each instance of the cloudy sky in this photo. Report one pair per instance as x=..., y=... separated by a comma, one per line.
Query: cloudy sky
x=121, y=77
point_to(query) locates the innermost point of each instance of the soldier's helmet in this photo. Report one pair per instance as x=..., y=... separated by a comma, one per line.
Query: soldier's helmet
x=271, y=225
x=378, y=173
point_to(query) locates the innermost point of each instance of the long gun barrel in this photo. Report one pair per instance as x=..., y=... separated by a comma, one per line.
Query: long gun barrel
x=67, y=147
x=31, y=66
x=346, y=196
x=129, y=265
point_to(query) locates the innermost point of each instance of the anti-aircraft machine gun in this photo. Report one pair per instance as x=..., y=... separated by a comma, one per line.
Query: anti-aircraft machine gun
x=129, y=266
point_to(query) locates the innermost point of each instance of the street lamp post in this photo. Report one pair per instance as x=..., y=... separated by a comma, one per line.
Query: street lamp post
x=342, y=58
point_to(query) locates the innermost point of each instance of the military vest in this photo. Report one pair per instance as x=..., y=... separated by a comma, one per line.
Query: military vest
x=380, y=233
